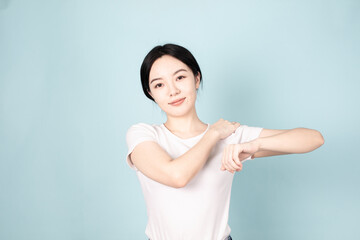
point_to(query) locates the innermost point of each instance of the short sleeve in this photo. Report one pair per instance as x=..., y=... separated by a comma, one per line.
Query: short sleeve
x=136, y=134
x=245, y=134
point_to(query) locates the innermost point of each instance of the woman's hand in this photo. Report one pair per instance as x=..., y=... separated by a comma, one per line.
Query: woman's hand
x=224, y=128
x=235, y=153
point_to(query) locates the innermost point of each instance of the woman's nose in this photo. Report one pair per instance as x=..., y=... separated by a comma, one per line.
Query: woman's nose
x=174, y=90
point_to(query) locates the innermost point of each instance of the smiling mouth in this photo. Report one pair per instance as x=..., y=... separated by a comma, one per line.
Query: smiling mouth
x=177, y=102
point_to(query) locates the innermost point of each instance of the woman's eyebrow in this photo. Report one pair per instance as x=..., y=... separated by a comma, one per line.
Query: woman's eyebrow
x=179, y=71
x=173, y=75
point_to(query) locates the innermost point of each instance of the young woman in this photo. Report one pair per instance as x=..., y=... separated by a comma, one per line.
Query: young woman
x=185, y=166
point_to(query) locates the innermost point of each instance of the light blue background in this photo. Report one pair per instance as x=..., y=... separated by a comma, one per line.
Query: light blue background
x=70, y=88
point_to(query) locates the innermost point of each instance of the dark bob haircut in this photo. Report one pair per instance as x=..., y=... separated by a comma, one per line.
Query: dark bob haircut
x=173, y=50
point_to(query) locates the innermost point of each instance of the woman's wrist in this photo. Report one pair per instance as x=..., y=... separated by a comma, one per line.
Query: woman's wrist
x=256, y=146
x=259, y=143
x=213, y=134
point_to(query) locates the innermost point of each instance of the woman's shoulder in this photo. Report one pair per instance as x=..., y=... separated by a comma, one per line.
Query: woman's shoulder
x=244, y=133
x=144, y=127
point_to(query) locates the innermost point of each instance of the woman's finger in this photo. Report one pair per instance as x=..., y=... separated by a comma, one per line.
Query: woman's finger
x=227, y=155
x=232, y=163
x=236, y=152
x=236, y=158
x=223, y=160
x=229, y=160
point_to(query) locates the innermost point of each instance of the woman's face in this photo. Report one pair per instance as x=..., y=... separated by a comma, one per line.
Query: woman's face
x=173, y=86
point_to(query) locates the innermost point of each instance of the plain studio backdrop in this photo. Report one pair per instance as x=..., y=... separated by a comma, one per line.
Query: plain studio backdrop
x=70, y=88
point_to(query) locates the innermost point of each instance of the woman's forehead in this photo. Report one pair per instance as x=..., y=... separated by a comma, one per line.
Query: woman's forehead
x=166, y=65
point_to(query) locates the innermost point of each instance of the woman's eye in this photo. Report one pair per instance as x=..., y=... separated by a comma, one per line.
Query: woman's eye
x=158, y=85
x=180, y=77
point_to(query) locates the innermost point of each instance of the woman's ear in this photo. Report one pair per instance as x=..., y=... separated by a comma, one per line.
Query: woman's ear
x=197, y=80
x=150, y=93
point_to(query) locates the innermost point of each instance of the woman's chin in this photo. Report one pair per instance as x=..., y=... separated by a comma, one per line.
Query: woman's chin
x=178, y=112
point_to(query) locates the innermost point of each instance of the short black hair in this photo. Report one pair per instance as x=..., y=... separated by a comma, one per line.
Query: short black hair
x=170, y=49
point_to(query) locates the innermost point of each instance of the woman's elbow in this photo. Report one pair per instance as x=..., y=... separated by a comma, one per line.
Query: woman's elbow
x=320, y=139
x=178, y=180
x=178, y=177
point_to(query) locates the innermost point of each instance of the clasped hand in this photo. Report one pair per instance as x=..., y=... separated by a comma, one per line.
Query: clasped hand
x=234, y=154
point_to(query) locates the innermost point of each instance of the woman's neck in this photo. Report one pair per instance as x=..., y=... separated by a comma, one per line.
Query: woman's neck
x=185, y=126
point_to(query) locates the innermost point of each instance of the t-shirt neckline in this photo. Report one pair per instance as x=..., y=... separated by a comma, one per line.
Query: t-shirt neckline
x=185, y=139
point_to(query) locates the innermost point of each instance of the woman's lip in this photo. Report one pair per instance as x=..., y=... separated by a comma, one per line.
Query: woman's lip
x=177, y=102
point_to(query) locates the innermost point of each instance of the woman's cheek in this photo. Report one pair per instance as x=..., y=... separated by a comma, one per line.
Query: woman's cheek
x=189, y=100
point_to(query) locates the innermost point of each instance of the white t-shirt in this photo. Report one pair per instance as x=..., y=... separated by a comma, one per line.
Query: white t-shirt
x=200, y=209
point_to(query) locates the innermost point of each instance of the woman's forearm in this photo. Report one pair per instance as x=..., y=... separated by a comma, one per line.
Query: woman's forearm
x=189, y=164
x=297, y=140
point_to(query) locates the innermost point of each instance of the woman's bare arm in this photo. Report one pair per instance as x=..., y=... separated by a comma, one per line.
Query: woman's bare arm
x=297, y=140
x=155, y=163
x=271, y=143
